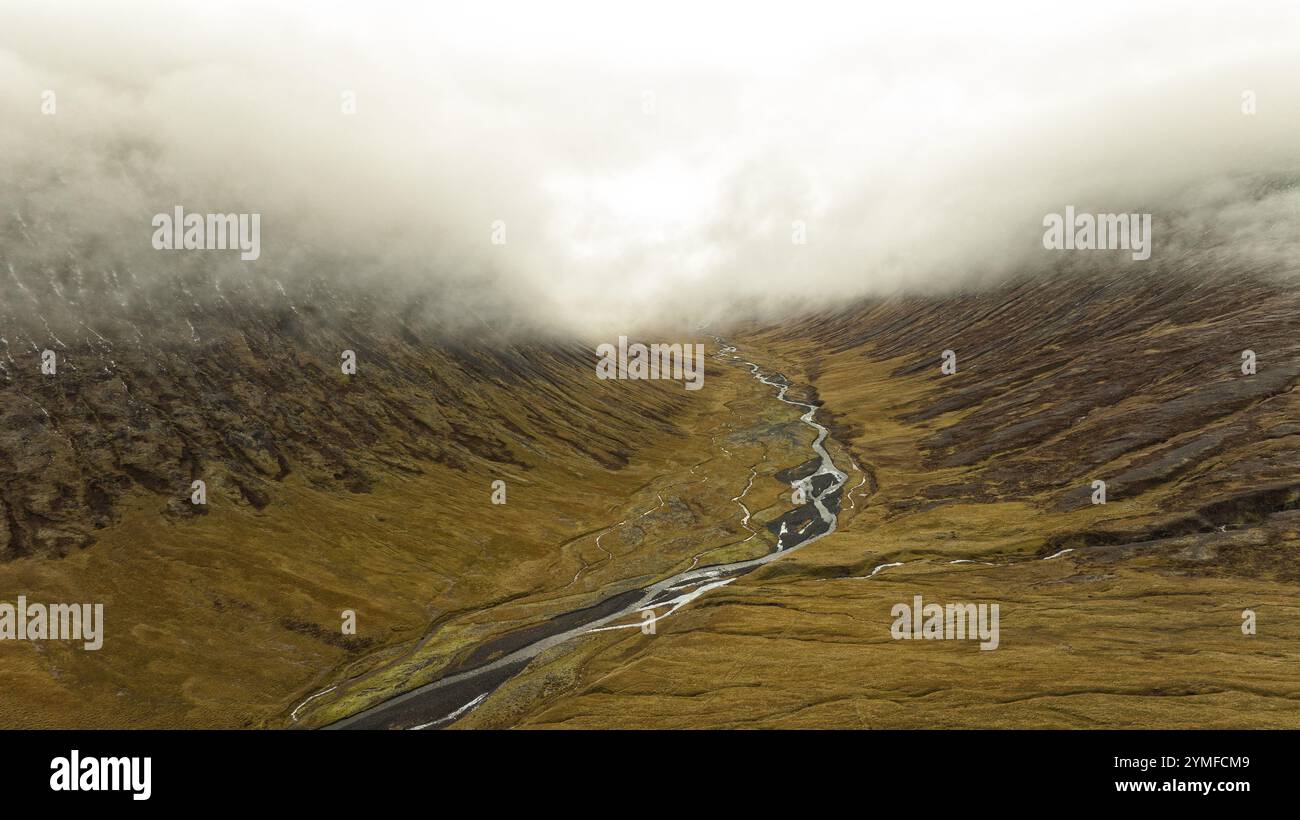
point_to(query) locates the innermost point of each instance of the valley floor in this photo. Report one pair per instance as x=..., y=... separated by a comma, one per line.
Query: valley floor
x=1134, y=613
x=966, y=488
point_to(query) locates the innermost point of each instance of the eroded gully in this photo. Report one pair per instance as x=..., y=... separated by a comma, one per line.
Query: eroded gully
x=488, y=666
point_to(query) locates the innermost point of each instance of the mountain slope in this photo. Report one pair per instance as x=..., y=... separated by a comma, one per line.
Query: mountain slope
x=1059, y=382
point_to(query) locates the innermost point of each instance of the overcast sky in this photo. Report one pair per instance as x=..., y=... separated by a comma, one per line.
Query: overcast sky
x=649, y=160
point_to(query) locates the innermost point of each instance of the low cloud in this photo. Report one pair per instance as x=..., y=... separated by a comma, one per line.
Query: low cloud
x=650, y=169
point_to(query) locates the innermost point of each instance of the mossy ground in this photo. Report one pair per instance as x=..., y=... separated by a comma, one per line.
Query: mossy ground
x=232, y=618
x=1148, y=638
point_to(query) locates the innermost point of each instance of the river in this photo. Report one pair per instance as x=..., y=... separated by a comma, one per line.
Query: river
x=440, y=703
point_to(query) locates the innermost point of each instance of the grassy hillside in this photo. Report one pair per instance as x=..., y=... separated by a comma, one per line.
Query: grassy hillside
x=1058, y=383
x=372, y=493
x=326, y=492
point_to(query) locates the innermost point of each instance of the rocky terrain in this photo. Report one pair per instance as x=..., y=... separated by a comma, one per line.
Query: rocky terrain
x=372, y=493
x=977, y=487
x=326, y=491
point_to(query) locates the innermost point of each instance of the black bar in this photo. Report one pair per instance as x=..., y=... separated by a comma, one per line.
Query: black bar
x=482, y=770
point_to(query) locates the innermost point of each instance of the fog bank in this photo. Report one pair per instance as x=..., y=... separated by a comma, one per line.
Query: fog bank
x=601, y=170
